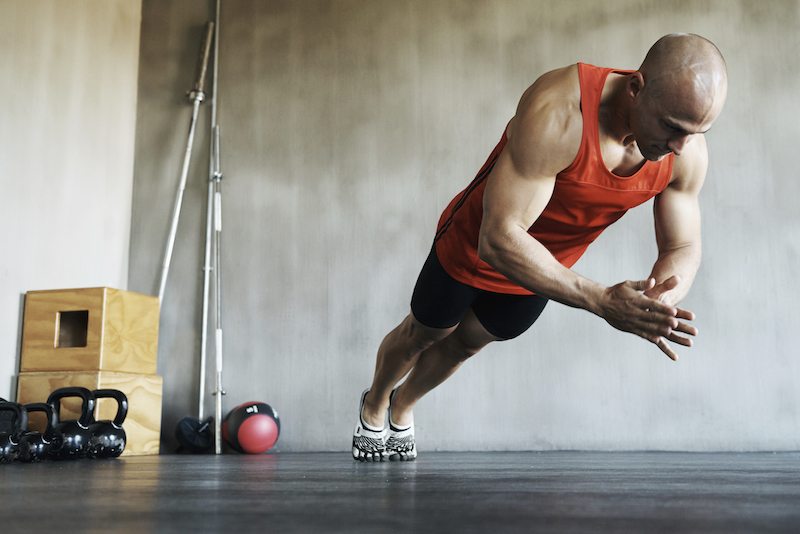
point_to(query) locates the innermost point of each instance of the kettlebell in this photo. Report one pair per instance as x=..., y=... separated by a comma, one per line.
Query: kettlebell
x=72, y=438
x=108, y=437
x=35, y=447
x=9, y=441
x=5, y=419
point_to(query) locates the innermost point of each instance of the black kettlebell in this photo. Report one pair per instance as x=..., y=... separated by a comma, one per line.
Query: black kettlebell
x=9, y=441
x=72, y=438
x=108, y=437
x=35, y=447
x=5, y=419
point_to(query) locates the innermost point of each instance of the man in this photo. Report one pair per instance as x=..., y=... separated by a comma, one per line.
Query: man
x=585, y=145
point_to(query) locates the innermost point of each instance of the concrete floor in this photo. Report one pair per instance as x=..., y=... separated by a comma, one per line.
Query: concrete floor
x=560, y=492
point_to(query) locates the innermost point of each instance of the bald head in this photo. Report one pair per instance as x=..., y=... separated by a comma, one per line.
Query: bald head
x=677, y=93
x=682, y=59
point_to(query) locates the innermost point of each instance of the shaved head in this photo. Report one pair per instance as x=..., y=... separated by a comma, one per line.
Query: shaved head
x=681, y=59
x=677, y=93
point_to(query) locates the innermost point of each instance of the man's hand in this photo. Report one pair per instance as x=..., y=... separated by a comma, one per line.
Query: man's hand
x=659, y=292
x=639, y=308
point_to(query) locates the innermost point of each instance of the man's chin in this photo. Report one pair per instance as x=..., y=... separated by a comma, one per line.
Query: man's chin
x=656, y=156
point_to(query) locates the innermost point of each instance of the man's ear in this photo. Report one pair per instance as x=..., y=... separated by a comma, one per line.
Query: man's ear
x=635, y=84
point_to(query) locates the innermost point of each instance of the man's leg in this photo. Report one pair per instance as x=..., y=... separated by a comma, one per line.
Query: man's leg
x=501, y=317
x=430, y=353
x=438, y=305
x=397, y=354
x=437, y=363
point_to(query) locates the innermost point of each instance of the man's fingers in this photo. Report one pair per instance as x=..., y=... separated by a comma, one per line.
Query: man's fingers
x=680, y=340
x=686, y=329
x=643, y=285
x=685, y=314
x=675, y=338
x=658, y=323
x=665, y=348
x=670, y=328
x=655, y=312
x=671, y=283
x=651, y=306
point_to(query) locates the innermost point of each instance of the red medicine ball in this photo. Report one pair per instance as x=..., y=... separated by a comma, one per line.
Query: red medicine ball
x=252, y=427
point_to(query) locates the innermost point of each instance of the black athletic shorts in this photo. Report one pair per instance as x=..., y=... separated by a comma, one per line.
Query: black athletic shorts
x=439, y=301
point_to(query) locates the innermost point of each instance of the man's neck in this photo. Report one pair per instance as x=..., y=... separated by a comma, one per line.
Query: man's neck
x=614, y=113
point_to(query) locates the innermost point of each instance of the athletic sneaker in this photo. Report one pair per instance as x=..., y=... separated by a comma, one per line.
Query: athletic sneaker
x=401, y=444
x=369, y=442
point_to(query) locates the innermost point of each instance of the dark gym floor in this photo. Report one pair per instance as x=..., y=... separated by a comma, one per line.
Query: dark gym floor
x=559, y=492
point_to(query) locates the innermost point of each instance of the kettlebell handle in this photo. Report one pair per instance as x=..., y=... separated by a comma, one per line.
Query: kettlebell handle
x=20, y=415
x=87, y=409
x=51, y=417
x=122, y=403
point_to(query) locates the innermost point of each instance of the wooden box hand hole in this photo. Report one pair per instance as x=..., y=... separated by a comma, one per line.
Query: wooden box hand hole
x=72, y=328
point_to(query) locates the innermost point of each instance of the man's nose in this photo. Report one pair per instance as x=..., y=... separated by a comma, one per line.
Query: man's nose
x=676, y=144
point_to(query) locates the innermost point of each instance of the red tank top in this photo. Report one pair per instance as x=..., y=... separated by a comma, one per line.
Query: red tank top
x=587, y=198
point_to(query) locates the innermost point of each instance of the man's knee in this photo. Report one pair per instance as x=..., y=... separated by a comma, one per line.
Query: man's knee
x=420, y=337
x=469, y=338
x=457, y=350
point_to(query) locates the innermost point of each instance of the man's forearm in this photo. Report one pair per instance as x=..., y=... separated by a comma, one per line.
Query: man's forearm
x=526, y=262
x=625, y=306
x=682, y=262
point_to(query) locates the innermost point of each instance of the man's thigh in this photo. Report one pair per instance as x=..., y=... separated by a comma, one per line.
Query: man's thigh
x=440, y=302
x=507, y=316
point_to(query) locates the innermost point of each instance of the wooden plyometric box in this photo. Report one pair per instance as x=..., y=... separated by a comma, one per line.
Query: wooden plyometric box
x=93, y=329
x=143, y=423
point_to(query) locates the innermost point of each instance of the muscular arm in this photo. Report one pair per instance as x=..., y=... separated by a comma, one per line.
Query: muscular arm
x=677, y=219
x=543, y=139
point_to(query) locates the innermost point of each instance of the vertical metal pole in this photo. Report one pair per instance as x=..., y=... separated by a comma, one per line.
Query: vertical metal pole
x=209, y=224
x=215, y=185
x=220, y=391
x=206, y=287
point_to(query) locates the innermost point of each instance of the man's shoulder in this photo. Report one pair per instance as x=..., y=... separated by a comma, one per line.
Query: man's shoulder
x=561, y=84
x=689, y=169
x=566, y=81
x=555, y=92
x=548, y=123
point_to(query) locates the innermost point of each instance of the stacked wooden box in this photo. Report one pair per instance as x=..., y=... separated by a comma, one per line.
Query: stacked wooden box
x=95, y=338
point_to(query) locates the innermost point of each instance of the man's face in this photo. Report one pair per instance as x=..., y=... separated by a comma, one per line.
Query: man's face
x=665, y=119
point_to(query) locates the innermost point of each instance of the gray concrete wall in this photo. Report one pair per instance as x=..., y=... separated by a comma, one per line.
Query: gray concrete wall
x=348, y=125
x=67, y=125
